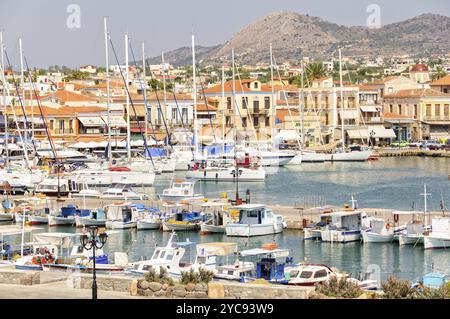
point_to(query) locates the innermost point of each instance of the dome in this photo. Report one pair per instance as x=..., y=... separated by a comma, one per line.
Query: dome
x=421, y=67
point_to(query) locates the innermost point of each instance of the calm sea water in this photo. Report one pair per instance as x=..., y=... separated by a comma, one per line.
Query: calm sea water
x=388, y=183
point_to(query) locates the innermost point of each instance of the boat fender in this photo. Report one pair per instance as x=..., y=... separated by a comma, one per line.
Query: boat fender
x=396, y=218
x=388, y=226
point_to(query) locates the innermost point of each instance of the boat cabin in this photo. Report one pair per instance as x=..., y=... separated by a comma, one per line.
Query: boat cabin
x=270, y=263
x=120, y=212
x=252, y=214
x=344, y=220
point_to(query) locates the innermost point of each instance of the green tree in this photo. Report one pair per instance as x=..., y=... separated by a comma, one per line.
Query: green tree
x=440, y=73
x=314, y=71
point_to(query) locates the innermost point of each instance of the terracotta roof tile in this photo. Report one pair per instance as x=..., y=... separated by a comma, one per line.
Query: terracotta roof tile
x=442, y=81
x=416, y=93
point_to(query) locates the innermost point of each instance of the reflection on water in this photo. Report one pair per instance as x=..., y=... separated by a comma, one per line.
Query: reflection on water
x=393, y=182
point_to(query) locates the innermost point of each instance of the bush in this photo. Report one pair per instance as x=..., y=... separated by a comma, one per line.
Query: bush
x=395, y=288
x=339, y=288
x=162, y=277
x=191, y=276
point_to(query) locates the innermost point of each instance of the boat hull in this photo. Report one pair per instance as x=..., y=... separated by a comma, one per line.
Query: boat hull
x=107, y=178
x=180, y=227
x=410, y=239
x=85, y=221
x=60, y=221
x=371, y=237
x=227, y=175
x=311, y=234
x=142, y=224
x=208, y=228
x=37, y=220
x=356, y=156
x=120, y=224
x=434, y=242
x=339, y=236
x=245, y=230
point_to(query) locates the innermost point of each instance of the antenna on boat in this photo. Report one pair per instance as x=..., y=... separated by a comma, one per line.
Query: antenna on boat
x=425, y=196
x=354, y=203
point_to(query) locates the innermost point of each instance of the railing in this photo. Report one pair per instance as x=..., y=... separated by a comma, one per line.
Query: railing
x=437, y=118
x=62, y=131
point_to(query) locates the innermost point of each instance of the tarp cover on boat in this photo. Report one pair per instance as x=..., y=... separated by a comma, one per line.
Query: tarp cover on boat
x=216, y=248
x=261, y=251
x=64, y=240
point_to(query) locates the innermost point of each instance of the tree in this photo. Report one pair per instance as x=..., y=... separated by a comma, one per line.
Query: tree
x=314, y=71
x=440, y=73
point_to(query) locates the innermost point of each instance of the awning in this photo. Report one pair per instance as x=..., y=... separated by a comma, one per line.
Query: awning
x=379, y=131
x=92, y=121
x=348, y=114
x=369, y=108
x=115, y=120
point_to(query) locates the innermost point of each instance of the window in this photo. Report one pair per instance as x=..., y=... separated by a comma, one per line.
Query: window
x=316, y=102
x=244, y=102
x=159, y=116
x=326, y=101
x=52, y=123
x=415, y=111
x=446, y=110
x=256, y=106
x=267, y=121
x=391, y=108
x=252, y=213
x=184, y=115
x=305, y=102
x=267, y=102
x=399, y=109
x=428, y=110
x=256, y=85
x=437, y=110
x=256, y=121
x=70, y=125
x=61, y=125
x=320, y=273
x=293, y=273
x=229, y=103
x=174, y=115
x=244, y=121
x=306, y=274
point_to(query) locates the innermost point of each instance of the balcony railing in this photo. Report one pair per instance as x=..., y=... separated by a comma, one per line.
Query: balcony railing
x=437, y=118
x=63, y=131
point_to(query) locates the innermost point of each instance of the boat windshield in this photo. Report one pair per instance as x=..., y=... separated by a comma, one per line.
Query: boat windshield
x=306, y=274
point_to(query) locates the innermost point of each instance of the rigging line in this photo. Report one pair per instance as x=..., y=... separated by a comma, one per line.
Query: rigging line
x=16, y=85
x=206, y=103
x=284, y=93
x=159, y=108
x=131, y=101
x=52, y=145
x=238, y=110
x=149, y=117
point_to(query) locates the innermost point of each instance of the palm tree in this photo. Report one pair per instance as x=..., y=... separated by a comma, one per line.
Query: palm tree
x=314, y=71
x=440, y=73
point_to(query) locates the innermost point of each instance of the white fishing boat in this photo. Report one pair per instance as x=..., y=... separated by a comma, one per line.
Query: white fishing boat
x=379, y=232
x=343, y=226
x=66, y=216
x=149, y=222
x=235, y=271
x=122, y=191
x=121, y=216
x=95, y=218
x=255, y=220
x=217, y=217
x=439, y=237
x=183, y=220
x=180, y=190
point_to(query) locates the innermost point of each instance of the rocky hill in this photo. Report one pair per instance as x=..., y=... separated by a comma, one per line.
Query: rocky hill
x=294, y=35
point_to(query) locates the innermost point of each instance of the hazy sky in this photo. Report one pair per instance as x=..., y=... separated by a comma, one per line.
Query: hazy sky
x=165, y=24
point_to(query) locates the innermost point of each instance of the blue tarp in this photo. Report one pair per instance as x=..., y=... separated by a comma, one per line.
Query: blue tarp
x=156, y=152
x=217, y=149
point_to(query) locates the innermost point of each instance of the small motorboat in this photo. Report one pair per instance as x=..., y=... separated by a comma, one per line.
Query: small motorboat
x=217, y=217
x=122, y=191
x=309, y=274
x=67, y=216
x=180, y=190
x=95, y=218
x=183, y=220
x=121, y=216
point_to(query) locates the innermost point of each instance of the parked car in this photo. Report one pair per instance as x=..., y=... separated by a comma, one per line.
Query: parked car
x=402, y=143
x=432, y=145
x=447, y=146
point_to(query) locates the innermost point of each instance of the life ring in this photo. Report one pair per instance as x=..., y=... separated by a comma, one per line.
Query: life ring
x=396, y=218
x=388, y=226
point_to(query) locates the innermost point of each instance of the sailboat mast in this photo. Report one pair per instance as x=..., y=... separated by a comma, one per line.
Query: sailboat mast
x=128, y=100
x=223, y=108
x=22, y=84
x=273, y=96
x=105, y=21
x=144, y=86
x=235, y=110
x=194, y=79
x=5, y=115
x=164, y=82
x=342, y=100
x=302, y=104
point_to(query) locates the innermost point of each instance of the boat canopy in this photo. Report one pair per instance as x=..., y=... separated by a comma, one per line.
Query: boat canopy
x=400, y=212
x=342, y=213
x=216, y=248
x=64, y=240
x=261, y=251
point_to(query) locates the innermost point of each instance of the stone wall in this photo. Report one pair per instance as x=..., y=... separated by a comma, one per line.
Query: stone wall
x=19, y=277
x=260, y=291
x=104, y=282
x=157, y=290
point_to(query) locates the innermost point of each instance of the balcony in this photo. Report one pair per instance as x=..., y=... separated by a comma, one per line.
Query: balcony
x=437, y=118
x=65, y=131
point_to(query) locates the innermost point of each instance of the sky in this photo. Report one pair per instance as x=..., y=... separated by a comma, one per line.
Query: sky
x=54, y=33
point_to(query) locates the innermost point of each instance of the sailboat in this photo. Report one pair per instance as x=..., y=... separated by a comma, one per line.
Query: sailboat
x=346, y=154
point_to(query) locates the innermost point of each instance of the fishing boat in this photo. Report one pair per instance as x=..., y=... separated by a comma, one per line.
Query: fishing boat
x=183, y=220
x=255, y=220
x=120, y=216
x=149, y=218
x=217, y=217
x=379, y=232
x=95, y=218
x=122, y=191
x=180, y=190
x=439, y=237
x=344, y=226
x=66, y=216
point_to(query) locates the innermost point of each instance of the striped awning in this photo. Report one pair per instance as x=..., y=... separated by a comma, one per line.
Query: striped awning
x=91, y=121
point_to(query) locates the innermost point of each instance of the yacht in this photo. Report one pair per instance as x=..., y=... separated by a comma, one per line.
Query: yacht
x=255, y=220
x=106, y=177
x=353, y=154
x=309, y=274
x=57, y=186
x=227, y=174
x=180, y=190
x=122, y=191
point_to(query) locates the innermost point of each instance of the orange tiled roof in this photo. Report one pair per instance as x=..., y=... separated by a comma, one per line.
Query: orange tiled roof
x=61, y=111
x=68, y=96
x=202, y=108
x=416, y=93
x=388, y=115
x=281, y=114
x=442, y=81
x=228, y=87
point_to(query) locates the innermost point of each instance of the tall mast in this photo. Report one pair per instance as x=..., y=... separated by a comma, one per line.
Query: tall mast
x=342, y=100
x=164, y=83
x=223, y=108
x=273, y=96
x=5, y=116
x=425, y=206
x=194, y=79
x=144, y=88
x=105, y=21
x=22, y=86
x=128, y=100
x=303, y=105
x=235, y=110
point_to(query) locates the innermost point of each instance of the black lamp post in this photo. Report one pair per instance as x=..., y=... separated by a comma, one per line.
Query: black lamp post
x=372, y=134
x=94, y=241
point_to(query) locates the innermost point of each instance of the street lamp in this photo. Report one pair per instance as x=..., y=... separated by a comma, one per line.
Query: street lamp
x=372, y=134
x=94, y=241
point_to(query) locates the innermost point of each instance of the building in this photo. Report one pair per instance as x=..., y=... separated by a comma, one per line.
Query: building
x=420, y=73
x=91, y=69
x=427, y=111
x=441, y=85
